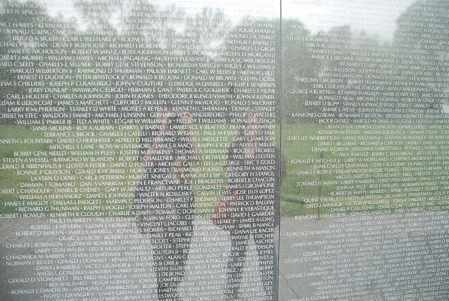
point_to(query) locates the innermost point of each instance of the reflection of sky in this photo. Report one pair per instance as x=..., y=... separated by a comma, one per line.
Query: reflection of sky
x=375, y=17
x=233, y=9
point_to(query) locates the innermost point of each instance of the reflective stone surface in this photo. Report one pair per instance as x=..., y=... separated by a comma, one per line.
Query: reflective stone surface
x=156, y=150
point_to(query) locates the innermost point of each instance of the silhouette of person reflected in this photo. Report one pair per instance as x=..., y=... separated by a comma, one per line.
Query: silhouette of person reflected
x=256, y=168
x=164, y=196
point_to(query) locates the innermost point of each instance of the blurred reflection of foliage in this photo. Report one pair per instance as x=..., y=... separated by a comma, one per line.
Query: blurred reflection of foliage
x=422, y=43
x=416, y=61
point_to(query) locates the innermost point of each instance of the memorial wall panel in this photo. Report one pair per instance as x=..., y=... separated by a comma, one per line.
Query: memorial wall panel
x=365, y=135
x=192, y=150
x=124, y=123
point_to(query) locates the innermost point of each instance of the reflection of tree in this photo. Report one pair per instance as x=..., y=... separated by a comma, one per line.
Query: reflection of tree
x=421, y=44
x=327, y=73
x=423, y=26
x=26, y=44
x=162, y=26
x=298, y=65
x=358, y=70
x=170, y=28
x=208, y=30
x=10, y=57
x=251, y=51
x=355, y=72
x=119, y=48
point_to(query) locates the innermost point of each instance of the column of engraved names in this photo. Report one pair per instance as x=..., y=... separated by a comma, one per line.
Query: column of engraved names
x=85, y=156
x=360, y=81
x=379, y=167
x=80, y=257
x=101, y=92
x=382, y=256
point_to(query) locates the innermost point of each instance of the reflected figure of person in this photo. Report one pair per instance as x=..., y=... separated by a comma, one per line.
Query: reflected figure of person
x=164, y=198
x=255, y=170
